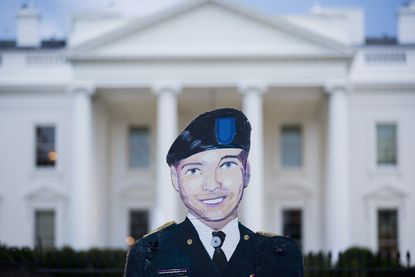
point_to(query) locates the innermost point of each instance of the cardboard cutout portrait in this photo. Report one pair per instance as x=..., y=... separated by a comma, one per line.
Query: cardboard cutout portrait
x=210, y=169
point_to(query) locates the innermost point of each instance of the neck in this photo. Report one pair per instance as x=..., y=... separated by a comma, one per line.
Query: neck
x=218, y=225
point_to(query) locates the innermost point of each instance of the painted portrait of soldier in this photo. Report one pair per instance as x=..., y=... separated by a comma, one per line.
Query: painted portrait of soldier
x=209, y=165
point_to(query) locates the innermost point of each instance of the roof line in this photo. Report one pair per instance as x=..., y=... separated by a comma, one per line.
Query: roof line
x=188, y=5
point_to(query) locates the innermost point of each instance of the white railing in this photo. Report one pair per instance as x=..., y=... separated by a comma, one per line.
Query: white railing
x=378, y=58
x=45, y=60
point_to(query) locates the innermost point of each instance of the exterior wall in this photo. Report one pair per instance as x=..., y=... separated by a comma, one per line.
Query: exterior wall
x=128, y=188
x=299, y=188
x=23, y=187
x=374, y=186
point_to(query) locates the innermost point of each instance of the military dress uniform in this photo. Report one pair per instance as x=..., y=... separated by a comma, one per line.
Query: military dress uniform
x=177, y=250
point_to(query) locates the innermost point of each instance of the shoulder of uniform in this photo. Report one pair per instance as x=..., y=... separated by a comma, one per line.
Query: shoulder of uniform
x=162, y=227
x=266, y=234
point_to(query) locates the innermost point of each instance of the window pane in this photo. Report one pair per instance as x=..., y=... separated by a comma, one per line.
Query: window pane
x=139, y=147
x=291, y=146
x=293, y=224
x=45, y=146
x=388, y=232
x=138, y=223
x=45, y=229
x=386, y=144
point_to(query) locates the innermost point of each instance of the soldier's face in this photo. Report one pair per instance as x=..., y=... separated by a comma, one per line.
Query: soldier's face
x=211, y=183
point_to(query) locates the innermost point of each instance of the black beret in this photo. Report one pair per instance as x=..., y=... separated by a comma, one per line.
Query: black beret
x=222, y=128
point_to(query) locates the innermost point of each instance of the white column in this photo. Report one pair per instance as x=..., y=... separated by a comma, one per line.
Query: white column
x=166, y=208
x=337, y=185
x=83, y=202
x=254, y=197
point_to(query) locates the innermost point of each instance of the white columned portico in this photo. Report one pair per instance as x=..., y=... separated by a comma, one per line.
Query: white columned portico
x=337, y=198
x=253, y=202
x=166, y=208
x=84, y=219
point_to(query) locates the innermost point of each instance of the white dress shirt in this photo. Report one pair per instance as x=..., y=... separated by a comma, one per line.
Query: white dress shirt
x=205, y=234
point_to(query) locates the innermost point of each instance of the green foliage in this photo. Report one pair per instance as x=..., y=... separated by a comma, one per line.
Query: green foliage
x=63, y=258
x=110, y=262
x=356, y=257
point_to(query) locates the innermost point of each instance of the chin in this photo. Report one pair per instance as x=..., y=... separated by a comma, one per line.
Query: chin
x=218, y=216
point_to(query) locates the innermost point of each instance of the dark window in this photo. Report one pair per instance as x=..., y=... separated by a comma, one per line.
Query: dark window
x=138, y=223
x=291, y=146
x=293, y=224
x=139, y=147
x=45, y=146
x=388, y=232
x=386, y=144
x=45, y=229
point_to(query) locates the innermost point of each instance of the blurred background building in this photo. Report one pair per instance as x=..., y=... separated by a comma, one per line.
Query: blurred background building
x=86, y=123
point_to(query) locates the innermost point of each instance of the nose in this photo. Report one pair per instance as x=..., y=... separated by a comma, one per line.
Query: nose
x=211, y=183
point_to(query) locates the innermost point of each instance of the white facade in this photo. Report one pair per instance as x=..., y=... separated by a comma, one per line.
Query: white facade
x=313, y=70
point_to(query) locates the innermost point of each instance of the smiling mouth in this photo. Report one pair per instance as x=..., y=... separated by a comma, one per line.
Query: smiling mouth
x=214, y=201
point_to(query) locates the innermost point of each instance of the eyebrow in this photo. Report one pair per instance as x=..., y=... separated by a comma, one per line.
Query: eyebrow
x=190, y=164
x=232, y=157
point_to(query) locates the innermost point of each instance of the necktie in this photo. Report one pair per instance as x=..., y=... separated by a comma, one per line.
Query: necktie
x=219, y=258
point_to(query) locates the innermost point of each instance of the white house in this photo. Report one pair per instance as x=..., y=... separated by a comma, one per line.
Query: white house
x=85, y=124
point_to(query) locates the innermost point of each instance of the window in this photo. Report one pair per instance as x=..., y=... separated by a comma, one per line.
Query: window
x=291, y=146
x=138, y=223
x=386, y=144
x=45, y=146
x=139, y=147
x=388, y=232
x=45, y=229
x=293, y=224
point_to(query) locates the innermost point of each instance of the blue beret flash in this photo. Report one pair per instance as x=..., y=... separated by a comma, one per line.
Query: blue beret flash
x=225, y=130
x=222, y=128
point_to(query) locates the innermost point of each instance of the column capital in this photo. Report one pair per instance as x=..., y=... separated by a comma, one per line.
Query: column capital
x=336, y=86
x=166, y=87
x=258, y=87
x=87, y=89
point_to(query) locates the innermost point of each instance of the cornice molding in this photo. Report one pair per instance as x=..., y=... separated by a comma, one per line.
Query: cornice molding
x=35, y=87
x=174, y=87
x=85, y=88
x=253, y=86
x=373, y=86
x=337, y=86
x=207, y=58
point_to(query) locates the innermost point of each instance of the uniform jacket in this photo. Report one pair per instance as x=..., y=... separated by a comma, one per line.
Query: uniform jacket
x=177, y=251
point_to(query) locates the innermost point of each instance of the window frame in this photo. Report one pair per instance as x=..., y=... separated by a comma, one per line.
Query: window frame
x=301, y=212
x=128, y=152
x=376, y=142
x=35, y=211
x=35, y=144
x=396, y=210
x=46, y=198
x=132, y=210
x=300, y=125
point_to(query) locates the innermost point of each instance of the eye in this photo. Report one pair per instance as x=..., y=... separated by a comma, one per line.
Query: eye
x=228, y=165
x=193, y=171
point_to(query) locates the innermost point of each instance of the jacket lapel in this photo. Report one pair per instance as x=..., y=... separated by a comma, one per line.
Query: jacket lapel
x=242, y=262
x=201, y=263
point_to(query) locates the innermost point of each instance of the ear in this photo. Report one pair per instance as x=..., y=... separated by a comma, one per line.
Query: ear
x=174, y=177
x=247, y=174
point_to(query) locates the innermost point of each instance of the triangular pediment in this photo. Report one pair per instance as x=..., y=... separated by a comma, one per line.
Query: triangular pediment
x=387, y=192
x=207, y=28
x=134, y=191
x=294, y=188
x=45, y=194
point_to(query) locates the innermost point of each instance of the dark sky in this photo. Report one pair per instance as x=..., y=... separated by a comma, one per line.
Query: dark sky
x=380, y=15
